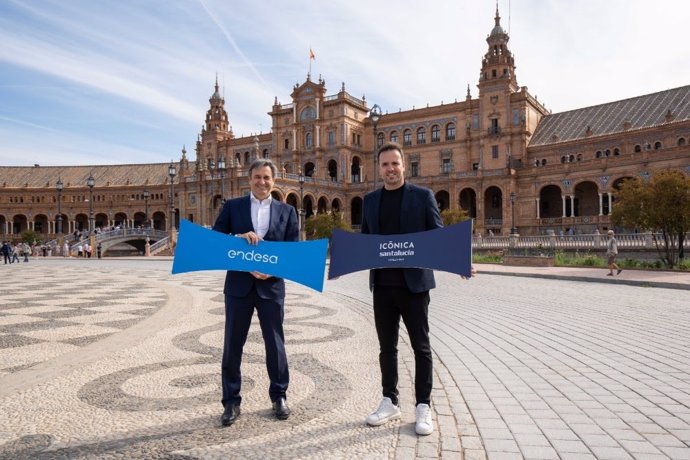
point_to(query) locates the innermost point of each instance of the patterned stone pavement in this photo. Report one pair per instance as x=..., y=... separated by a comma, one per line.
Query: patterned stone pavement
x=120, y=359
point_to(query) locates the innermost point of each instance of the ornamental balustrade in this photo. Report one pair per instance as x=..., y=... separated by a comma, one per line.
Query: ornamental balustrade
x=570, y=242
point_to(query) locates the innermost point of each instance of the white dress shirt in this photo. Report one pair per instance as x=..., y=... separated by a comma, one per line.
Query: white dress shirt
x=261, y=214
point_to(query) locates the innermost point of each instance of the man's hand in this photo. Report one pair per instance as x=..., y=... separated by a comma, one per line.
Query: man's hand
x=260, y=276
x=473, y=271
x=251, y=237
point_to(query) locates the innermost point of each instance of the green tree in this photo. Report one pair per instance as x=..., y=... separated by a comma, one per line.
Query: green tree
x=29, y=236
x=453, y=216
x=322, y=225
x=660, y=205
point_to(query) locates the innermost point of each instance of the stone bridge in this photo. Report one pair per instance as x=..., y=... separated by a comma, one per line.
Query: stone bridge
x=135, y=237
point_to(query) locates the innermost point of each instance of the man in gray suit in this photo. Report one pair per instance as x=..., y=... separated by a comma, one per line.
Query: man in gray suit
x=398, y=208
x=256, y=217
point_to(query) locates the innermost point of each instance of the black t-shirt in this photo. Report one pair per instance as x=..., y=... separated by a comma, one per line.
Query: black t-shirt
x=389, y=224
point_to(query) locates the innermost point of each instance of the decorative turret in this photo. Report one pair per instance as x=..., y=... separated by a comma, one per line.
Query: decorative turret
x=216, y=116
x=498, y=64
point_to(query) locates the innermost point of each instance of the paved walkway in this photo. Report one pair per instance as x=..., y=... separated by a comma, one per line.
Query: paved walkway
x=120, y=359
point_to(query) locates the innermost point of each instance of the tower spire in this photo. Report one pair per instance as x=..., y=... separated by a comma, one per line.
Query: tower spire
x=498, y=63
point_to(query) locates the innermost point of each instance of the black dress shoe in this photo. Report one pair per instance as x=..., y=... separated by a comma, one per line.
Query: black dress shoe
x=281, y=409
x=230, y=414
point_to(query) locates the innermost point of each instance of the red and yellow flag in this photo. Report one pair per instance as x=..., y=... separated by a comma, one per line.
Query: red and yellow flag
x=312, y=56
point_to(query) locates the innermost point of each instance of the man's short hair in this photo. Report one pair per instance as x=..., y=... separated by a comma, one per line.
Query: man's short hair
x=391, y=146
x=262, y=162
x=610, y=232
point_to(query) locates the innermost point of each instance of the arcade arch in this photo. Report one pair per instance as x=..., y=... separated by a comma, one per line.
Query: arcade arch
x=468, y=202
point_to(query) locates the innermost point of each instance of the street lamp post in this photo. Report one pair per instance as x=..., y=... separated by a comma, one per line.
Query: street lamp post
x=221, y=169
x=375, y=116
x=91, y=182
x=301, y=205
x=147, y=195
x=172, y=172
x=513, y=230
x=59, y=186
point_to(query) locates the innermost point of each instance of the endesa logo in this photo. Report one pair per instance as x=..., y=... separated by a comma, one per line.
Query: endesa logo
x=252, y=256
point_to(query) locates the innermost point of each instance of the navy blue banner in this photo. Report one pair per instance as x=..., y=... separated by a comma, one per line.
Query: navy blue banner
x=199, y=248
x=448, y=249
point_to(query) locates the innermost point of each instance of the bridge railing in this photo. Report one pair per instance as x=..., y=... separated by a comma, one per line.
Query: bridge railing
x=159, y=245
x=123, y=232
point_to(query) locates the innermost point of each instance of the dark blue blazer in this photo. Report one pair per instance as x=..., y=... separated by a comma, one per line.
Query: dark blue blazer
x=236, y=217
x=418, y=213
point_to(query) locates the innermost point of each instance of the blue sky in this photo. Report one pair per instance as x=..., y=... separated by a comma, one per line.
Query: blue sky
x=128, y=81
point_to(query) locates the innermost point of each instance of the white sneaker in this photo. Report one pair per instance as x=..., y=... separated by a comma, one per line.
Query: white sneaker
x=424, y=425
x=385, y=412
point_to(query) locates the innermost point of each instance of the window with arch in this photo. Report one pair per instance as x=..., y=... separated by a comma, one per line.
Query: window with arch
x=638, y=148
x=394, y=136
x=286, y=143
x=379, y=139
x=681, y=141
x=450, y=132
x=657, y=145
x=598, y=154
x=307, y=114
x=407, y=137
x=308, y=142
x=616, y=152
x=421, y=135
x=331, y=137
x=265, y=153
x=246, y=158
x=435, y=133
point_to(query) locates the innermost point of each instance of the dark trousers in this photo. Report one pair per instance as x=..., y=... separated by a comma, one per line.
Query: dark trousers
x=390, y=304
x=238, y=318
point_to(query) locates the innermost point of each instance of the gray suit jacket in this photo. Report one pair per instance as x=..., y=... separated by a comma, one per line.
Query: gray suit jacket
x=419, y=213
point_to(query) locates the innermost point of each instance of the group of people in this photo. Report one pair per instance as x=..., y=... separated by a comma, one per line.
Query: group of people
x=12, y=252
x=397, y=292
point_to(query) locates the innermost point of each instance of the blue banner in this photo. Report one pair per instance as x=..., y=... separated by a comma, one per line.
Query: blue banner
x=448, y=249
x=199, y=248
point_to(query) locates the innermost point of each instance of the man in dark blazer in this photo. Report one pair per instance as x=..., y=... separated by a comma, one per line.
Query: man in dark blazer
x=256, y=217
x=398, y=208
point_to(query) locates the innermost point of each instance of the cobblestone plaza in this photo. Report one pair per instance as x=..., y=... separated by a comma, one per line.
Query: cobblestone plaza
x=120, y=359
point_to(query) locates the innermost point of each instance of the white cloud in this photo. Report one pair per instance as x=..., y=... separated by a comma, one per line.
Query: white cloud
x=133, y=79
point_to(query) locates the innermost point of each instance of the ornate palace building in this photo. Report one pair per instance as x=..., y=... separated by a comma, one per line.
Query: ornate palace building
x=498, y=155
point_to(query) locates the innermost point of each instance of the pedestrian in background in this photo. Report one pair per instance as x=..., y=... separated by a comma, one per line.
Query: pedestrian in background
x=15, y=253
x=612, y=253
x=6, y=252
